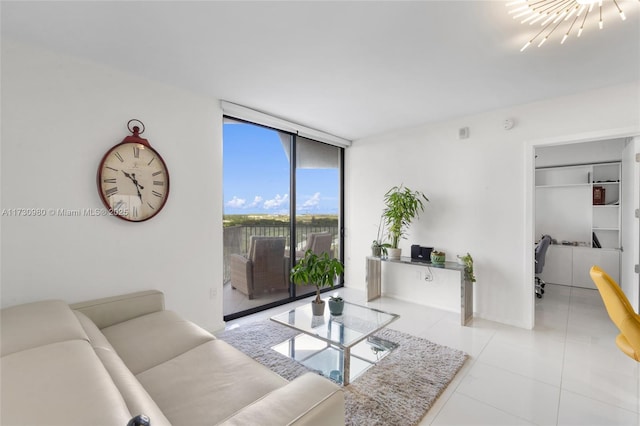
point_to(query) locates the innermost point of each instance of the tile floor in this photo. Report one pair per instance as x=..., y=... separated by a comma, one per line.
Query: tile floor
x=234, y=301
x=567, y=371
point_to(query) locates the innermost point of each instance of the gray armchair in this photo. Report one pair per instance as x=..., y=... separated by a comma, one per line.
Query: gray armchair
x=263, y=269
x=317, y=242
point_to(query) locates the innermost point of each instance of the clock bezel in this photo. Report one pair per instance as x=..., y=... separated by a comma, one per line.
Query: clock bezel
x=103, y=196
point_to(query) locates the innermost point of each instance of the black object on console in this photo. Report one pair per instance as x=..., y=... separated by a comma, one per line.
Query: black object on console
x=139, y=420
x=421, y=253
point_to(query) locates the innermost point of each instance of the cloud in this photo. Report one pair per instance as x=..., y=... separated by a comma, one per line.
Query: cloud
x=236, y=202
x=276, y=202
x=312, y=202
x=257, y=200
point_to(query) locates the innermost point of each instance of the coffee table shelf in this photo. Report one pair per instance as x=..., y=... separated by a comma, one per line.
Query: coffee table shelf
x=338, y=347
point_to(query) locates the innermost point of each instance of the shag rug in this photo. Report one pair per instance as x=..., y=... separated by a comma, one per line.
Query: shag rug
x=398, y=390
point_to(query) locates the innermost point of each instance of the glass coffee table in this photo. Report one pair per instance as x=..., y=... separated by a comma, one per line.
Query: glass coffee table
x=338, y=347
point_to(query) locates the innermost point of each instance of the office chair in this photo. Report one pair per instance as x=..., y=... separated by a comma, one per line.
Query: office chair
x=541, y=254
x=620, y=311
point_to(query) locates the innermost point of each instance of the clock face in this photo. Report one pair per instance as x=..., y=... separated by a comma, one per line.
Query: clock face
x=133, y=181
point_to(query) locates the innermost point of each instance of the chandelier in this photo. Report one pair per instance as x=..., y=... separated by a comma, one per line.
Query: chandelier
x=571, y=15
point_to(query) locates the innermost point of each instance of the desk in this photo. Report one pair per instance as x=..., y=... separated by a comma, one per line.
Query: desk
x=374, y=281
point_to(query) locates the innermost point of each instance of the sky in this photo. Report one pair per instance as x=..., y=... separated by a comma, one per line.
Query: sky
x=256, y=176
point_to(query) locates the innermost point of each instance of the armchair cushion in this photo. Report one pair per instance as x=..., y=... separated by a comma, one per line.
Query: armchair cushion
x=317, y=242
x=263, y=269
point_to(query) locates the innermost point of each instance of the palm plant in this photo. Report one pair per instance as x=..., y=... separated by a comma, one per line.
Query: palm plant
x=402, y=206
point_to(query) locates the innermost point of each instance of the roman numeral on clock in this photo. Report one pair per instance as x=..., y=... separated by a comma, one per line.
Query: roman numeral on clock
x=159, y=172
x=111, y=180
x=156, y=193
x=150, y=206
x=136, y=152
x=158, y=183
x=109, y=192
x=119, y=157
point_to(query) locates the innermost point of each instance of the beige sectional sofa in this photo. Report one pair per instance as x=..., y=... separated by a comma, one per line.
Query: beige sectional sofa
x=105, y=361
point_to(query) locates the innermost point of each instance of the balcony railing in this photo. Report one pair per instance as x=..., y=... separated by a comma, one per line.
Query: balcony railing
x=236, y=238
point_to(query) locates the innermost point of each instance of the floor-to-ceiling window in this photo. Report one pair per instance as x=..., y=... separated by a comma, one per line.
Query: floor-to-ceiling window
x=317, y=183
x=276, y=185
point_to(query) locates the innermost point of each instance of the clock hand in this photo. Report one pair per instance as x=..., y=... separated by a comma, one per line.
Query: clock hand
x=132, y=176
x=135, y=181
x=138, y=186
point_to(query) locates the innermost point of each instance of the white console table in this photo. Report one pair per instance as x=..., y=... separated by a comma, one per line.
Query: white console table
x=374, y=281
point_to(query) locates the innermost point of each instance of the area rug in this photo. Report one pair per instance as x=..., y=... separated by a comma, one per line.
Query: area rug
x=398, y=390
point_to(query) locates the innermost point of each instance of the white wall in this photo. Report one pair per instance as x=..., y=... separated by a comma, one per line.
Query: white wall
x=629, y=281
x=477, y=188
x=59, y=116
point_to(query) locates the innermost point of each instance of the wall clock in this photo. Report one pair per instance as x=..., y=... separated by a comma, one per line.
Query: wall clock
x=133, y=180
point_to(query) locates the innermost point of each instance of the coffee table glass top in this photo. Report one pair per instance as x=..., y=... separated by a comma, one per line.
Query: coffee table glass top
x=340, y=347
x=354, y=325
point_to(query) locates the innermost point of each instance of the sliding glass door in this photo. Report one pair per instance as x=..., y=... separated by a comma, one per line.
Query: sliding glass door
x=256, y=183
x=262, y=167
x=317, y=186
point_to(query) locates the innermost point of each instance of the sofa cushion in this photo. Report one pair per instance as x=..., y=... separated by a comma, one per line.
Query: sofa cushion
x=112, y=310
x=308, y=400
x=208, y=384
x=135, y=396
x=59, y=384
x=152, y=339
x=34, y=324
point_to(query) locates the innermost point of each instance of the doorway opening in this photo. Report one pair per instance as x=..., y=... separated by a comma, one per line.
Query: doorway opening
x=565, y=176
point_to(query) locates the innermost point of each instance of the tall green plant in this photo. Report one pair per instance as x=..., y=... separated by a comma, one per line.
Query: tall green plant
x=402, y=206
x=319, y=270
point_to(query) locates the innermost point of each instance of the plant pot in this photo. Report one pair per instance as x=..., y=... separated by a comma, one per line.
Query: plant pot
x=394, y=253
x=317, y=308
x=376, y=251
x=336, y=307
x=438, y=258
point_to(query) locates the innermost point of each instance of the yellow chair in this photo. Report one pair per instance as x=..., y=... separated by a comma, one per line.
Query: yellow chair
x=620, y=311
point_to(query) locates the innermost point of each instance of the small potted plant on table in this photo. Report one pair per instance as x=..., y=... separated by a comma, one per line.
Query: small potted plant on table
x=319, y=270
x=336, y=305
x=467, y=261
x=378, y=248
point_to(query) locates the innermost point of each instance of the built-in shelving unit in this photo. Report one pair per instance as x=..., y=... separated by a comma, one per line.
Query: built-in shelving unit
x=606, y=217
x=587, y=233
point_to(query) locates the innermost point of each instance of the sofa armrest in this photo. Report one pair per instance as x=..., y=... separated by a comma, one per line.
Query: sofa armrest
x=108, y=311
x=308, y=400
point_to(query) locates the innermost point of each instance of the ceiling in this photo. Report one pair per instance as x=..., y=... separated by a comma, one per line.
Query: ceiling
x=349, y=68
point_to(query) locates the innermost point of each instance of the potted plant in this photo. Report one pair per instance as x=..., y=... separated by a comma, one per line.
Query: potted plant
x=336, y=305
x=467, y=261
x=402, y=206
x=378, y=248
x=319, y=270
x=438, y=257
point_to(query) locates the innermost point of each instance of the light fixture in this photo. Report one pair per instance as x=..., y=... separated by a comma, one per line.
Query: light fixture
x=552, y=14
